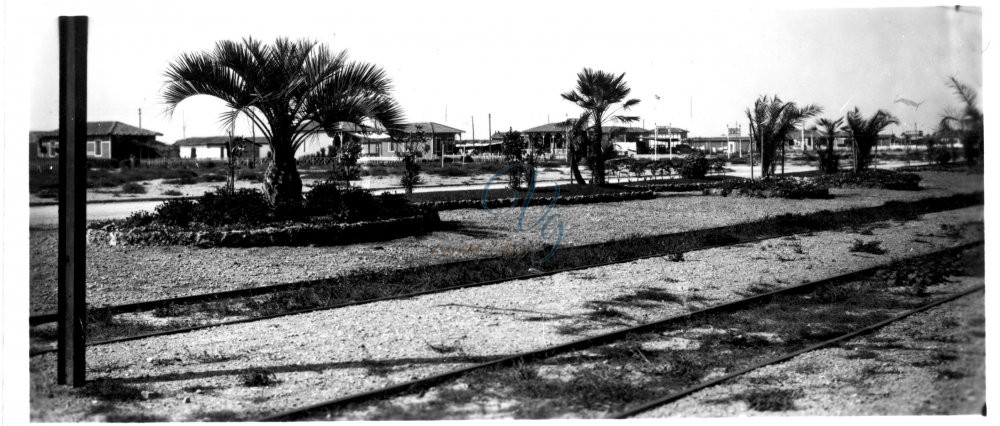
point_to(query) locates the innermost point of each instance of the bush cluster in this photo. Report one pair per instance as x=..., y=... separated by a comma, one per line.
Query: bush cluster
x=349, y=204
x=694, y=165
x=774, y=187
x=500, y=203
x=871, y=178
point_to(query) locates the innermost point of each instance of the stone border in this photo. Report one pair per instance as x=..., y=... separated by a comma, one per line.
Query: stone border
x=320, y=234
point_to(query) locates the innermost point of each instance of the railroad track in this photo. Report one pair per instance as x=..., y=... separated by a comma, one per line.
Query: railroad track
x=811, y=222
x=155, y=304
x=711, y=234
x=642, y=408
x=608, y=338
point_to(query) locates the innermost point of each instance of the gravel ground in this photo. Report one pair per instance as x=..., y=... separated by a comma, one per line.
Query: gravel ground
x=326, y=354
x=930, y=363
x=117, y=275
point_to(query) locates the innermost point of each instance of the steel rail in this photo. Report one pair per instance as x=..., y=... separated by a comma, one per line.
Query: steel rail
x=871, y=328
x=401, y=296
x=427, y=382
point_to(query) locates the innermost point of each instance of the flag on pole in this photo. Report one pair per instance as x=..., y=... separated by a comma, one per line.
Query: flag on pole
x=914, y=104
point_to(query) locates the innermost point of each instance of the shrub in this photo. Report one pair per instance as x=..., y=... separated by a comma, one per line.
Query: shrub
x=172, y=192
x=186, y=180
x=695, y=165
x=250, y=175
x=411, y=173
x=940, y=156
x=139, y=218
x=355, y=204
x=872, y=247
x=718, y=165
x=829, y=163
x=213, y=178
x=872, y=178
x=176, y=213
x=133, y=188
x=773, y=187
x=253, y=377
x=241, y=207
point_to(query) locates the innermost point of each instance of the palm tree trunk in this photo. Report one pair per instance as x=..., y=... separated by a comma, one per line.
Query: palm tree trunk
x=574, y=166
x=282, y=183
x=595, y=155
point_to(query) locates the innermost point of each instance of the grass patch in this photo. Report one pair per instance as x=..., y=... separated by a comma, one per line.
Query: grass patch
x=871, y=247
x=256, y=377
x=133, y=188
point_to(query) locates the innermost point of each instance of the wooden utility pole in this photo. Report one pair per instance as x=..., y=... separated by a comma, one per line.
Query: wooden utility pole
x=71, y=366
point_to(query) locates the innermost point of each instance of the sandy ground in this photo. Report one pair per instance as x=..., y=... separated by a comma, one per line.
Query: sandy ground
x=930, y=363
x=326, y=354
x=118, y=275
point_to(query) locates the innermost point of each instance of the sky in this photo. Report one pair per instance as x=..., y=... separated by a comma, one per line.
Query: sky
x=459, y=62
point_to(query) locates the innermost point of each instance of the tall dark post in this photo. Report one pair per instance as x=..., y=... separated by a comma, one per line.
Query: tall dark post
x=72, y=363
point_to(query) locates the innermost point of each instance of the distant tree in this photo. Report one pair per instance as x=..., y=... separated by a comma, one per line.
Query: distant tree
x=772, y=122
x=235, y=147
x=967, y=123
x=829, y=161
x=283, y=87
x=409, y=146
x=597, y=92
x=514, y=149
x=864, y=134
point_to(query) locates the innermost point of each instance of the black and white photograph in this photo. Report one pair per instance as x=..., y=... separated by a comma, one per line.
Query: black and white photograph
x=282, y=211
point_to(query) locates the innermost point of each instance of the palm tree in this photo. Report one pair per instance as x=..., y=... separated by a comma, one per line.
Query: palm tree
x=828, y=128
x=967, y=123
x=285, y=89
x=772, y=122
x=864, y=133
x=597, y=92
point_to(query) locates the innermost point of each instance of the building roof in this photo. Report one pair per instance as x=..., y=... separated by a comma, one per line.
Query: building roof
x=215, y=141
x=559, y=127
x=107, y=128
x=670, y=129
x=562, y=127
x=628, y=129
x=425, y=126
x=716, y=139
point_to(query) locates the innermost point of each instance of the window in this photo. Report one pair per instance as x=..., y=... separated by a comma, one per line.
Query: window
x=91, y=146
x=105, y=149
x=43, y=149
x=392, y=147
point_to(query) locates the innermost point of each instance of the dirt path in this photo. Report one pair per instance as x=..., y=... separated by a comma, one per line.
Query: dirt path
x=325, y=354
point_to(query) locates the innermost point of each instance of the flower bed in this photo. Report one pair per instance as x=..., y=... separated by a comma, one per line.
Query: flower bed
x=537, y=201
x=873, y=178
x=318, y=232
x=793, y=188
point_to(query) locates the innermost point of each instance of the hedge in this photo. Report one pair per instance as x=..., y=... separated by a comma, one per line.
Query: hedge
x=792, y=188
x=537, y=201
x=297, y=234
x=872, y=178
